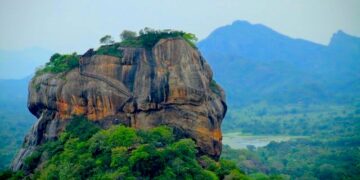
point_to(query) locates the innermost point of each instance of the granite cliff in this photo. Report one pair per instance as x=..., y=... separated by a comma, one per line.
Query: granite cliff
x=169, y=84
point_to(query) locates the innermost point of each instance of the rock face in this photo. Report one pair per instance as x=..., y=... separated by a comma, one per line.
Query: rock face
x=171, y=84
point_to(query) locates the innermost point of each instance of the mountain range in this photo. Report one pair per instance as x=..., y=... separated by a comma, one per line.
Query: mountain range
x=255, y=63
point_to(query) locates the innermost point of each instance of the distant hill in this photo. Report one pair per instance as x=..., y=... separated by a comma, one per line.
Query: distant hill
x=255, y=63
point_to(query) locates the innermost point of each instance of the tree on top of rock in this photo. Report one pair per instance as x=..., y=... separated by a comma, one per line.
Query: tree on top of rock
x=128, y=35
x=107, y=40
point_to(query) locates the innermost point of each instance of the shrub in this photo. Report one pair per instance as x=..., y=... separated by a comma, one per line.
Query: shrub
x=226, y=167
x=110, y=50
x=159, y=136
x=32, y=160
x=8, y=174
x=59, y=63
x=120, y=136
x=119, y=156
x=147, y=38
x=82, y=128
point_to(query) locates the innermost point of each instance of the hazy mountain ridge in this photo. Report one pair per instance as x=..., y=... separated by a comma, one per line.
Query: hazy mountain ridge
x=262, y=64
x=256, y=42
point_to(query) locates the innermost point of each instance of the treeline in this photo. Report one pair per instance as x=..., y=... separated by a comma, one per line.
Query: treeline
x=291, y=119
x=301, y=159
x=331, y=152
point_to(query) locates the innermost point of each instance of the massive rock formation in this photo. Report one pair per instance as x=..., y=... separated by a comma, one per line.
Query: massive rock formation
x=171, y=84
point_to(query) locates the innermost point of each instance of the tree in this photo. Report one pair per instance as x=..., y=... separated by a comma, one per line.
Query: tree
x=122, y=153
x=54, y=57
x=190, y=37
x=107, y=40
x=60, y=63
x=127, y=35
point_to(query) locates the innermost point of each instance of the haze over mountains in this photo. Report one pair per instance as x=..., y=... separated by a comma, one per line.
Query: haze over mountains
x=17, y=64
x=255, y=63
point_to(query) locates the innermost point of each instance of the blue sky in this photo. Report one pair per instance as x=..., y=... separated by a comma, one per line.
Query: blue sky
x=31, y=30
x=69, y=25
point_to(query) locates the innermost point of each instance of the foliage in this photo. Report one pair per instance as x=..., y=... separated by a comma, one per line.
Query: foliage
x=147, y=38
x=121, y=152
x=79, y=127
x=331, y=153
x=304, y=159
x=32, y=160
x=127, y=35
x=8, y=174
x=107, y=39
x=59, y=63
x=291, y=119
x=111, y=50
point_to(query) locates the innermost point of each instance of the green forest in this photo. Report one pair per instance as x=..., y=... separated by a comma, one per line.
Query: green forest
x=291, y=119
x=15, y=119
x=83, y=151
x=329, y=149
x=15, y=126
